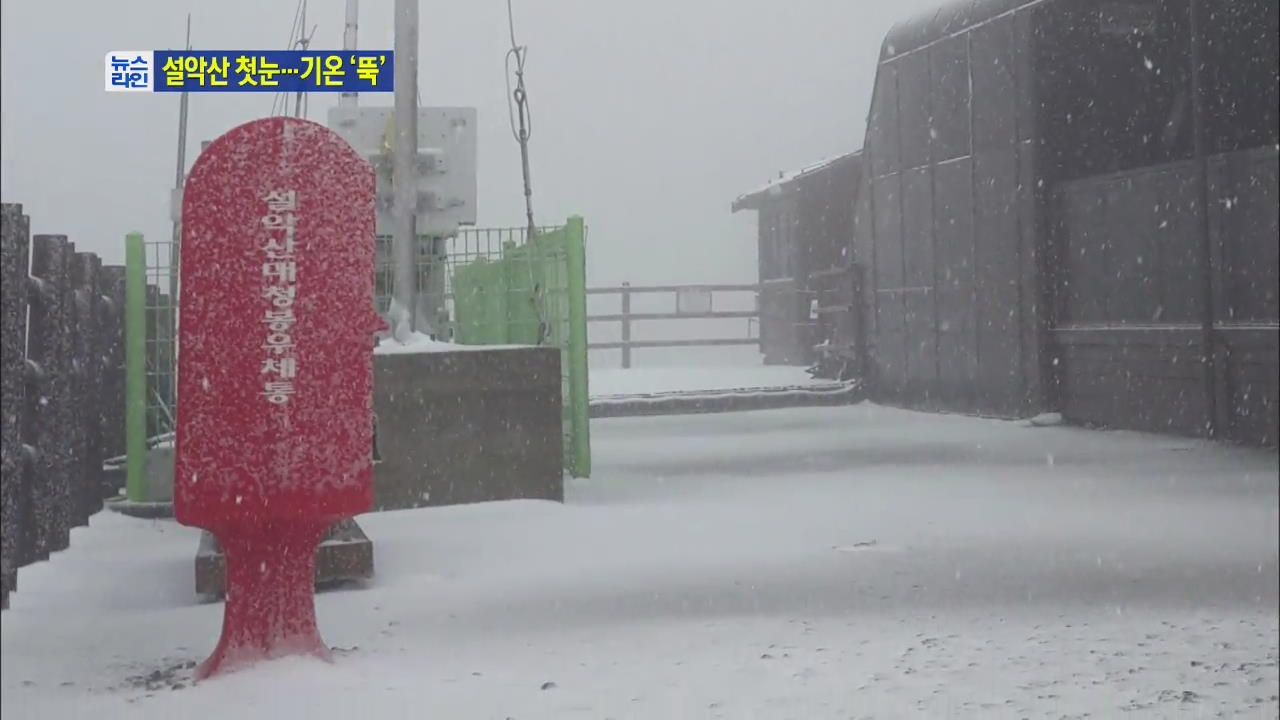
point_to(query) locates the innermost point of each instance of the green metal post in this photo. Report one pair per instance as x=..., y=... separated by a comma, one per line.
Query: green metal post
x=576, y=251
x=135, y=353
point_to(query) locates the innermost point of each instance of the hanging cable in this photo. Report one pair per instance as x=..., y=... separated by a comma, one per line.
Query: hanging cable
x=521, y=119
x=518, y=106
x=280, y=101
x=299, y=39
x=302, y=102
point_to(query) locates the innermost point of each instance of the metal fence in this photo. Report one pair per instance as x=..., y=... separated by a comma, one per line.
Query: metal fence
x=501, y=288
x=151, y=309
x=162, y=317
x=540, y=293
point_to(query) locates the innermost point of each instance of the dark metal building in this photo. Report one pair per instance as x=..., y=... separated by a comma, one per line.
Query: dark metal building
x=1072, y=205
x=805, y=221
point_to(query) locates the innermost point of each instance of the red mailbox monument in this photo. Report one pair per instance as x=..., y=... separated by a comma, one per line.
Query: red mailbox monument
x=275, y=369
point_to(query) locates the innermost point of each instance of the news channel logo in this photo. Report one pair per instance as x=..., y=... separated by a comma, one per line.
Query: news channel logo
x=289, y=71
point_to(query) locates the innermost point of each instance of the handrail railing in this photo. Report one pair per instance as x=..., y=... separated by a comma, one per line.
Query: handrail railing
x=698, y=304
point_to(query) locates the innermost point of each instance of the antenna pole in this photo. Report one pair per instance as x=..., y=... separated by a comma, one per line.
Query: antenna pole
x=349, y=32
x=404, y=162
x=521, y=101
x=304, y=42
x=179, y=180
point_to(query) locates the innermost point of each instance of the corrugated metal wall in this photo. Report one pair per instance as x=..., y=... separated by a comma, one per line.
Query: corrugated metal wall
x=1129, y=313
x=1006, y=276
x=947, y=230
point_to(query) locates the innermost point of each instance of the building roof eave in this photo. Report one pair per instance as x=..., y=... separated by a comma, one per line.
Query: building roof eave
x=785, y=182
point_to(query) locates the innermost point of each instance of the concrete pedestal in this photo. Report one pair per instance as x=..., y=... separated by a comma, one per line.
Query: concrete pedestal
x=159, y=474
x=471, y=425
x=157, y=500
x=346, y=554
x=454, y=427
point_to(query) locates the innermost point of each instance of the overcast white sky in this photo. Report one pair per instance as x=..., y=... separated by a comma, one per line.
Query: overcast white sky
x=649, y=116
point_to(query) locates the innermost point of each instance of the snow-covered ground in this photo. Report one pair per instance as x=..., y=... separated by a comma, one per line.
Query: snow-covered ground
x=852, y=562
x=642, y=380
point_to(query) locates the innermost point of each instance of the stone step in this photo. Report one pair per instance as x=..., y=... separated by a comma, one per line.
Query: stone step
x=345, y=555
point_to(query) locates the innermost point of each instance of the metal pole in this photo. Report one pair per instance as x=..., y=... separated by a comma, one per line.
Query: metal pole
x=579, y=390
x=181, y=171
x=403, y=175
x=135, y=352
x=521, y=98
x=304, y=42
x=179, y=180
x=626, y=325
x=175, y=251
x=1207, y=343
x=349, y=33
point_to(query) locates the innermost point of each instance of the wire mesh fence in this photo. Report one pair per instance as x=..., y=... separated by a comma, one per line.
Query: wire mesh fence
x=161, y=349
x=471, y=247
x=501, y=287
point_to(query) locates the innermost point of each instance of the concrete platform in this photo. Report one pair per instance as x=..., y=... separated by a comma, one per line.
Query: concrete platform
x=480, y=424
x=345, y=555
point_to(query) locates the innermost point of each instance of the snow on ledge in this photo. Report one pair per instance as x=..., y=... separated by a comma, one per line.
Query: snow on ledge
x=421, y=343
x=790, y=391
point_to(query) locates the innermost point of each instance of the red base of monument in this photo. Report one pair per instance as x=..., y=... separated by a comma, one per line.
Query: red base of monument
x=270, y=607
